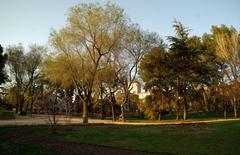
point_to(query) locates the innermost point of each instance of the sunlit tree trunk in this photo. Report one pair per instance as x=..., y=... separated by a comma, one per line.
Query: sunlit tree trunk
x=185, y=109
x=235, y=107
x=85, y=112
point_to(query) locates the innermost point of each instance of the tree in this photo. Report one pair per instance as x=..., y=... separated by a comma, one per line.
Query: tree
x=109, y=78
x=3, y=59
x=187, y=64
x=24, y=73
x=228, y=51
x=135, y=45
x=16, y=64
x=155, y=73
x=93, y=33
x=33, y=83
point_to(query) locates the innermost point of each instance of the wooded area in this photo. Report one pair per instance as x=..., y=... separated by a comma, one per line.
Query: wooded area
x=93, y=61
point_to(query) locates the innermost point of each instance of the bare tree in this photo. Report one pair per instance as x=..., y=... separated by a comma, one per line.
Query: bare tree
x=135, y=45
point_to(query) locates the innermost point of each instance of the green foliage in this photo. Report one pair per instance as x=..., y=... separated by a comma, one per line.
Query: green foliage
x=149, y=107
x=24, y=73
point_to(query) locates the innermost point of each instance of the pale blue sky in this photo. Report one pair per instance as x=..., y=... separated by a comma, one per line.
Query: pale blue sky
x=30, y=21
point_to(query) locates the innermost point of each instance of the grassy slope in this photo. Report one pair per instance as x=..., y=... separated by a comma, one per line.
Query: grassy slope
x=215, y=138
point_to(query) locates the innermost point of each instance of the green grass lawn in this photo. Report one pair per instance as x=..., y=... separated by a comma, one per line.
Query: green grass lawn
x=201, y=139
x=8, y=147
x=192, y=116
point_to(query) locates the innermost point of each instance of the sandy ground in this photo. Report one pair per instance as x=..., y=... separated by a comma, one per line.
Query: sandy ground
x=44, y=119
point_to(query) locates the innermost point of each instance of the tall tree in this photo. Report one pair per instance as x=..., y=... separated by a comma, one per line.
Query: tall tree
x=92, y=34
x=24, y=72
x=155, y=73
x=3, y=59
x=228, y=51
x=16, y=63
x=33, y=59
x=135, y=45
x=187, y=64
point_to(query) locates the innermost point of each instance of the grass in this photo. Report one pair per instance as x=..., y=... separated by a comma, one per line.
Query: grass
x=200, y=139
x=220, y=138
x=8, y=147
x=192, y=116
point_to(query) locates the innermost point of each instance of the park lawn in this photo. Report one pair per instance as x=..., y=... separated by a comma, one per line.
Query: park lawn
x=192, y=116
x=9, y=147
x=214, y=138
x=199, y=139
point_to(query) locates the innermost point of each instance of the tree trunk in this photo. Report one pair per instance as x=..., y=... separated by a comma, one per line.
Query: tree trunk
x=235, y=108
x=235, y=112
x=160, y=115
x=85, y=112
x=113, y=112
x=21, y=103
x=31, y=108
x=177, y=111
x=27, y=107
x=185, y=110
x=103, y=112
x=225, y=110
x=123, y=113
x=178, y=100
x=177, y=117
x=17, y=105
x=113, y=104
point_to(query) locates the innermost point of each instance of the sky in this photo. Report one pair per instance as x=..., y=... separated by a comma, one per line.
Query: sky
x=31, y=21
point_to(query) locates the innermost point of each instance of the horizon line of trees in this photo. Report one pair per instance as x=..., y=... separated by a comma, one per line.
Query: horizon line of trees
x=100, y=51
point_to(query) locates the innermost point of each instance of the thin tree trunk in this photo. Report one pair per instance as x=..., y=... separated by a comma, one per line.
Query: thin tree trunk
x=113, y=112
x=31, y=108
x=113, y=104
x=177, y=117
x=27, y=107
x=17, y=104
x=21, y=103
x=123, y=112
x=235, y=108
x=85, y=112
x=178, y=100
x=235, y=112
x=225, y=110
x=103, y=112
x=177, y=111
x=185, y=110
x=160, y=115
